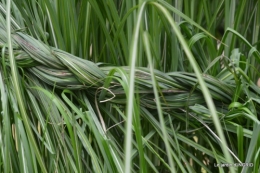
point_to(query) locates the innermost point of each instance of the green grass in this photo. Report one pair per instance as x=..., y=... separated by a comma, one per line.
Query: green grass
x=129, y=86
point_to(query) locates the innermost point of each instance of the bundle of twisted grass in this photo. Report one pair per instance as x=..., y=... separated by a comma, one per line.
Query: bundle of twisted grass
x=62, y=70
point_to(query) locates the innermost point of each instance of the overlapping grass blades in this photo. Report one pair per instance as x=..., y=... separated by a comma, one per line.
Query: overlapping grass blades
x=77, y=110
x=65, y=71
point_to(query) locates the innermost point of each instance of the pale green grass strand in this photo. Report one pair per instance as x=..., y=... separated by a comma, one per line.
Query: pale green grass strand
x=158, y=104
x=205, y=90
x=18, y=93
x=131, y=100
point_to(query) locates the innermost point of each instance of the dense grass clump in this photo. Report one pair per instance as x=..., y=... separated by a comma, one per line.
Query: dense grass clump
x=129, y=86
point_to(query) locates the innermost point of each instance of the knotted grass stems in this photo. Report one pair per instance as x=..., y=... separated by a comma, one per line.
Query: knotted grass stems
x=66, y=71
x=59, y=62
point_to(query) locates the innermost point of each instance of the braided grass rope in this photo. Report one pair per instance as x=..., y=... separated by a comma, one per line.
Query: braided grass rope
x=63, y=70
x=66, y=71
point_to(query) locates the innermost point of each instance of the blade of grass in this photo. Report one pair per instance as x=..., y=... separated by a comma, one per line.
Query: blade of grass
x=131, y=104
x=254, y=144
x=18, y=91
x=205, y=90
x=158, y=104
